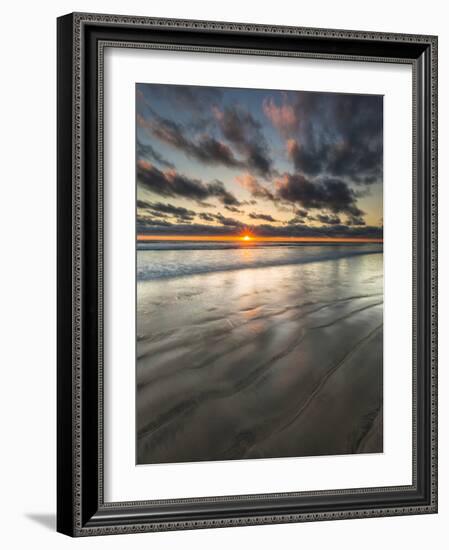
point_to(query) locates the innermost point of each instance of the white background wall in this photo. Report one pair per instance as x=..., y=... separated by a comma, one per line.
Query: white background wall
x=27, y=272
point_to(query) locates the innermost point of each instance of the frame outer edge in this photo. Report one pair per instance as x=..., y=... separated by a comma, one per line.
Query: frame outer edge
x=232, y=26
x=434, y=271
x=65, y=269
x=74, y=527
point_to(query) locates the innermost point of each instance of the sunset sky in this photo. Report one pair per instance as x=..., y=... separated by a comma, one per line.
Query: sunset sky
x=225, y=162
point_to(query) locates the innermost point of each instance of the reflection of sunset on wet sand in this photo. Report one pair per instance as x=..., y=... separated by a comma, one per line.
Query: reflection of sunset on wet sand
x=282, y=360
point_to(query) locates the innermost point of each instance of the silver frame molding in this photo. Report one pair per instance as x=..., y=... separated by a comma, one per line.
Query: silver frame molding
x=82, y=39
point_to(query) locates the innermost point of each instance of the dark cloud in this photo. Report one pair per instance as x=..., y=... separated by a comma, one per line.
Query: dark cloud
x=304, y=159
x=233, y=209
x=325, y=194
x=210, y=150
x=355, y=220
x=297, y=220
x=238, y=127
x=251, y=184
x=146, y=151
x=265, y=217
x=302, y=230
x=145, y=221
x=245, y=133
x=338, y=135
x=194, y=98
x=207, y=217
x=230, y=222
x=207, y=204
x=217, y=189
x=158, y=208
x=145, y=209
x=188, y=229
x=171, y=184
x=227, y=222
x=301, y=213
x=157, y=214
x=328, y=220
x=206, y=148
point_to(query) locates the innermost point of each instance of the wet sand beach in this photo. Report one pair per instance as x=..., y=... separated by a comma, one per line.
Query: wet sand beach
x=277, y=360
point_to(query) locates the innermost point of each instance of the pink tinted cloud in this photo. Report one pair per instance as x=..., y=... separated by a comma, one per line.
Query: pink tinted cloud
x=283, y=117
x=292, y=147
x=144, y=164
x=218, y=115
x=251, y=184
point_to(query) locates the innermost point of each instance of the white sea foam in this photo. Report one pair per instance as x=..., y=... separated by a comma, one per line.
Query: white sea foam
x=162, y=260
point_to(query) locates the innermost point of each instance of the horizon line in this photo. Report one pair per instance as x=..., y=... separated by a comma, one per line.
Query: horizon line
x=241, y=238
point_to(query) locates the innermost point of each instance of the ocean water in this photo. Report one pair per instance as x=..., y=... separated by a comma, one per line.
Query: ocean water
x=158, y=260
x=257, y=350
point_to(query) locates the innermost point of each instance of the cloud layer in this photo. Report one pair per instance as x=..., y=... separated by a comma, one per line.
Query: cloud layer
x=233, y=159
x=172, y=184
x=340, y=135
x=327, y=193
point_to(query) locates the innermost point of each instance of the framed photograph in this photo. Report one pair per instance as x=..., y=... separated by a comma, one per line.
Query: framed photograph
x=247, y=281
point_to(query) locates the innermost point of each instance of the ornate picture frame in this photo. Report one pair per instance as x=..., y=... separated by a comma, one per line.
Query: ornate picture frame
x=81, y=506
